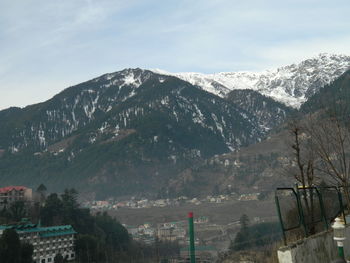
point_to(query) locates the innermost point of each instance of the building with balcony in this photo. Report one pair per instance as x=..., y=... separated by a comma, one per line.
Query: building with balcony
x=47, y=241
x=171, y=233
x=12, y=194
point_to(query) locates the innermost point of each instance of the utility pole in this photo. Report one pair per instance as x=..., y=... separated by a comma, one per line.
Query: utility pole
x=191, y=233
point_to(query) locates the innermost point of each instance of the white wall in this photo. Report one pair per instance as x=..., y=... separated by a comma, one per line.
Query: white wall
x=320, y=248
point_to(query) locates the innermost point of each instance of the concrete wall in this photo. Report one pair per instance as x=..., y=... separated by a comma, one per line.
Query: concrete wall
x=320, y=248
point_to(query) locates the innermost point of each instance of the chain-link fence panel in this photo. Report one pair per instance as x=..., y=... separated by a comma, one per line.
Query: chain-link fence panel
x=332, y=202
x=307, y=211
x=312, y=209
x=288, y=208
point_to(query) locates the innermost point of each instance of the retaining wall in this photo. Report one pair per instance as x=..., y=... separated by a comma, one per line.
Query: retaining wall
x=320, y=248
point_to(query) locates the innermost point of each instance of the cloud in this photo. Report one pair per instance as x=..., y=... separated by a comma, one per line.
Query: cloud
x=297, y=50
x=47, y=45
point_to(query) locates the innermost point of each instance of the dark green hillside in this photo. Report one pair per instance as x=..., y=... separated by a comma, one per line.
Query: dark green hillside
x=335, y=96
x=269, y=113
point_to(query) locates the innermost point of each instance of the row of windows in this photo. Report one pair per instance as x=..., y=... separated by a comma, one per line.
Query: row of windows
x=10, y=199
x=50, y=259
x=54, y=251
x=12, y=193
x=52, y=239
x=55, y=244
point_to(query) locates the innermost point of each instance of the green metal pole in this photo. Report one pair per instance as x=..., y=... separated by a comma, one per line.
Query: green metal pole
x=301, y=213
x=341, y=252
x=323, y=210
x=191, y=232
x=280, y=218
x=340, y=249
x=341, y=204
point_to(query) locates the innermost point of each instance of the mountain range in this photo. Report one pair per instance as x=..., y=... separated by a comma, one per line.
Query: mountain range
x=141, y=131
x=291, y=85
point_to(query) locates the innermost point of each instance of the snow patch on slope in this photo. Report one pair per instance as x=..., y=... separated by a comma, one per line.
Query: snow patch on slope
x=131, y=79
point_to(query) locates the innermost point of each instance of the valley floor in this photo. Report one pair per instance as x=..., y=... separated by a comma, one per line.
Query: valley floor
x=218, y=231
x=222, y=214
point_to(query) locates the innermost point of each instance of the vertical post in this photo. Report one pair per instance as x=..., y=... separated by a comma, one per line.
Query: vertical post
x=341, y=204
x=301, y=212
x=191, y=233
x=280, y=218
x=340, y=245
x=323, y=210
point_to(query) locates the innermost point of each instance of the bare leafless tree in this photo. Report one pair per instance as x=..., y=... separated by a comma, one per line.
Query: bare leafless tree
x=302, y=168
x=321, y=145
x=331, y=144
x=303, y=153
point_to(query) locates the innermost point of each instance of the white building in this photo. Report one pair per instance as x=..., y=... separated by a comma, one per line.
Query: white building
x=47, y=241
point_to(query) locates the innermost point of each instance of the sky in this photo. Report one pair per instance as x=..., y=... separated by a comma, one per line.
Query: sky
x=47, y=46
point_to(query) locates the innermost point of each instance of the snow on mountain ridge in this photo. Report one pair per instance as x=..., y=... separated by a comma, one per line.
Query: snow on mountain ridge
x=292, y=84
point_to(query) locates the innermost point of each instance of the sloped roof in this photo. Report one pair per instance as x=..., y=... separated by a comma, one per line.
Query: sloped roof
x=43, y=231
x=10, y=188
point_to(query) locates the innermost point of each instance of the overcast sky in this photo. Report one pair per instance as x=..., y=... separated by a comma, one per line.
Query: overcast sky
x=46, y=46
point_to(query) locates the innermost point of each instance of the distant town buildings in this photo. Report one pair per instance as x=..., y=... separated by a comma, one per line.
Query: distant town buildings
x=168, y=231
x=134, y=203
x=249, y=197
x=47, y=241
x=201, y=220
x=173, y=231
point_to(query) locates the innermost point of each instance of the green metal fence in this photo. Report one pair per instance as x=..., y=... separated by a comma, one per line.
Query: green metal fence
x=306, y=211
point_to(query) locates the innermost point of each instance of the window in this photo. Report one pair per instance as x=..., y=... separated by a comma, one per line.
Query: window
x=72, y=255
x=43, y=260
x=49, y=260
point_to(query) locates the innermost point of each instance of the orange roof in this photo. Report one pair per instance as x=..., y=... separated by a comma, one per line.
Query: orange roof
x=10, y=188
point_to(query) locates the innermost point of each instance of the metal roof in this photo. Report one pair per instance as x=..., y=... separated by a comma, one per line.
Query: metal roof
x=43, y=231
x=10, y=188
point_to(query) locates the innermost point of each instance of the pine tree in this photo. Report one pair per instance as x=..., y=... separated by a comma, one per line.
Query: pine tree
x=10, y=247
x=26, y=253
x=58, y=258
x=242, y=239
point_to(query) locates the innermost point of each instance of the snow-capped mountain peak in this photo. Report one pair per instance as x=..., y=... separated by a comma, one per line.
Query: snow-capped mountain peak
x=292, y=84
